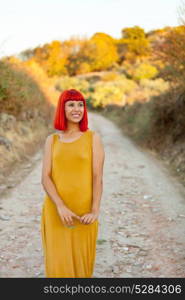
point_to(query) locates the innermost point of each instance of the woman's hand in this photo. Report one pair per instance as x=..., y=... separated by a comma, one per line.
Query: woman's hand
x=67, y=215
x=90, y=217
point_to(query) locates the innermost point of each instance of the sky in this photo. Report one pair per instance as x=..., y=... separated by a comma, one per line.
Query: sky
x=28, y=24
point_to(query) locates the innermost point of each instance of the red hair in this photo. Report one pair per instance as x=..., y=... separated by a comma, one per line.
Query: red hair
x=60, y=121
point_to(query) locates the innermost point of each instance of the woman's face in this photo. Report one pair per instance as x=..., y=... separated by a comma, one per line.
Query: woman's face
x=74, y=110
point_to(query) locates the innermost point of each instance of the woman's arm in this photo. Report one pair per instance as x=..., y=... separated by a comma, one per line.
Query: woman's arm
x=98, y=163
x=46, y=180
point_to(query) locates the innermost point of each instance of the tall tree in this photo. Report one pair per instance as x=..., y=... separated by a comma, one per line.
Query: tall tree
x=103, y=51
x=133, y=44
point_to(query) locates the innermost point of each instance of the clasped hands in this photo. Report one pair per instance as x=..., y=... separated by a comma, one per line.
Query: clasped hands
x=89, y=218
x=67, y=216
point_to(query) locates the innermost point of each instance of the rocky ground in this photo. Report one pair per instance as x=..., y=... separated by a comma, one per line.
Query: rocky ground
x=142, y=219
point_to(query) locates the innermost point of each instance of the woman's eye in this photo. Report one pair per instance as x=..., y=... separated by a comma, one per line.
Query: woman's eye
x=73, y=104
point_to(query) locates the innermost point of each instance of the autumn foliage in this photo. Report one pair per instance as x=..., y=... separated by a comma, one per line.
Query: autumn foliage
x=144, y=62
x=172, y=52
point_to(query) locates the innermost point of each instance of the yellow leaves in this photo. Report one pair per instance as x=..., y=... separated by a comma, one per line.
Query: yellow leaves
x=133, y=33
x=112, y=92
x=104, y=52
x=135, y=42
x=66, y=82
x=144, y=70
x=84, y=68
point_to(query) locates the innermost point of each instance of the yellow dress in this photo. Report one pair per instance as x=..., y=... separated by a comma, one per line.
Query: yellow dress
x=70, y=251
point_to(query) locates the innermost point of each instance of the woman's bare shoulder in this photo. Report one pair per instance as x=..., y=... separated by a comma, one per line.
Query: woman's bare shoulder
x=49, y=139
x=96, y=134
x=97, y=139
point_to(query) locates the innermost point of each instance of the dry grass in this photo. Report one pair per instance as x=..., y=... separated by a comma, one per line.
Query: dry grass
x=25, y=116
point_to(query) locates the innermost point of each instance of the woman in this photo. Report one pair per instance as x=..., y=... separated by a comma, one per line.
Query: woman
x=72, y=176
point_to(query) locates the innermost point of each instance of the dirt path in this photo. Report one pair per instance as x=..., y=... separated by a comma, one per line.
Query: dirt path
x=142, y=220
